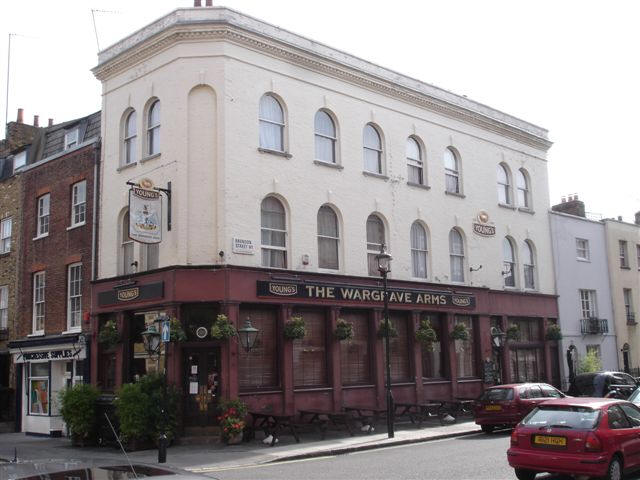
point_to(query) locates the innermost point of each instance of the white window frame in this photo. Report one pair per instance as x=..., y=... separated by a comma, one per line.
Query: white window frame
x=41, y=378
x=588, y=304
x=74, y=297
x=529, y=269
x=452, y=175
x=504, y=185
x=44, y=210
x=280, y=125
x=6, y=225
x=78, y=205
x=4, y=307
x=582, y=251
x=415, y=164
x=129, y=142
x=373, y=248
x=270, y=247
x=455, y=257
x=153, y=129
x=329, y=238
x=524, y=189
x=638, y=255
x=19, y=160
x=509, y=265
x=627, y=294
x=624, y=254
x=322, y=136
x=39, y=314
x=419, y=253
x=127, y=248
x=71, y=139
x=366, y=147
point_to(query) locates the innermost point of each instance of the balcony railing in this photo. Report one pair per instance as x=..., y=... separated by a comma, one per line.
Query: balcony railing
x=631, y=318
x=594, y=325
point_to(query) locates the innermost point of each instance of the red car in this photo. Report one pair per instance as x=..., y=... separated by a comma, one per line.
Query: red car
x=593, y=437
x=506, y=405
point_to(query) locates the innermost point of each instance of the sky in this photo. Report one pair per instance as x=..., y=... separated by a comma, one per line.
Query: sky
x=569, y=66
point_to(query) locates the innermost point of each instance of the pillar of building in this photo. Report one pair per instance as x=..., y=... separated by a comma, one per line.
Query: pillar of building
x=453, y=360
x=506, y=354
x=229, y=353
x=414, y=324
x=379, y=367
x=335, y=370
x=122, y=350
x=286, y=360
x=547, y=352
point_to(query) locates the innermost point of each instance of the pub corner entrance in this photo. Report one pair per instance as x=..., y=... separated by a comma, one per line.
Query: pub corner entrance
x=201, y=386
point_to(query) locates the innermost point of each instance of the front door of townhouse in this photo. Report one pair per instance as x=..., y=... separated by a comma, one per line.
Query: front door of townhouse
x=202, y=385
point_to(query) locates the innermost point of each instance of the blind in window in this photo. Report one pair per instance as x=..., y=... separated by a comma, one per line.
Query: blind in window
x=433, y=360
x=354, y=354
x=258, y=367
x=309, y=353
x=399, y=346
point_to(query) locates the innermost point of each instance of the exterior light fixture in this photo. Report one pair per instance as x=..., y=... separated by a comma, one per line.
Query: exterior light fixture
x=248, y=335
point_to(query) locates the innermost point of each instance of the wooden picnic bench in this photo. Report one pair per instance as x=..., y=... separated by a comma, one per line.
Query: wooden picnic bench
x=274, y=424
x=368, y=416
x=323, y=419
x=419, y=412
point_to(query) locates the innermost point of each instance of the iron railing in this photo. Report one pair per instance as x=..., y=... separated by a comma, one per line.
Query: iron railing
x=594, y=325
x=631, y=318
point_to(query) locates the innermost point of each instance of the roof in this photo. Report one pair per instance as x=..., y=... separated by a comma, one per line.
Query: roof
x=589, y=402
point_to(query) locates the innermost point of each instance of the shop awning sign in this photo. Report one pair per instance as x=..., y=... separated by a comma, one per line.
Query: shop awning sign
x=145, y=215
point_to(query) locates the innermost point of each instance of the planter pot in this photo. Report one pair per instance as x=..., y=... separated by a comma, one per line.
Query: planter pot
x=234, y=439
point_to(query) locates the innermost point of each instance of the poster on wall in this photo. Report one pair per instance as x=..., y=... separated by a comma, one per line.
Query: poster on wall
x=39, y=404
x=145, y=215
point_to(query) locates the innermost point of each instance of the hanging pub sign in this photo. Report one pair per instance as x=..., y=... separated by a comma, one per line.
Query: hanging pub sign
x=145, y=213
x=482, y=226
x=357, y=293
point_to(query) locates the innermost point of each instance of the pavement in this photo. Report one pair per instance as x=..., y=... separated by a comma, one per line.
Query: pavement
x=210, y=458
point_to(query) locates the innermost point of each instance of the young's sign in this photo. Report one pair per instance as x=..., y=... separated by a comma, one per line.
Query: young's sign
x=145, y=215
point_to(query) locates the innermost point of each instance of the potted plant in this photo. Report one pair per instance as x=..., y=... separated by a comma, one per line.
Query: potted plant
x=78, y=410
x=294, y=329
x=425, y=334
x=232, y=420
x=460, y=332
x=108, y=334
x=553, y=332
x=344, y=330
x=222, y=328
x=513, y=332
x=387, y=326
x=177, y=332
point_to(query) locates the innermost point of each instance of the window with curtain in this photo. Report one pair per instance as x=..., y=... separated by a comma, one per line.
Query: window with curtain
x=508, y=263
x=418, y=250
x=328, y=238
x=310, y=353
x=456, y=255
x=433, y=360
x=465, y=349
x=74, y=296
x=522, y=181
x=130, y=137
x=451, y=172
x=151, y=255
x=271, y=119
x=325, y=136
x=529, y=266
x=504, y=187
x=126, y=248
x=78, y=203
x=4, y=307
x=624, y=257
x=274, y=233
x=530, y=329
x=258, y=368
x=588, y=304
x=372, y=150
x=414, y=161
x=38, y=302
x=5, y=234
x=42, y=227
x=527, y=365
x=355, y=359
x=153, y=129
x=375, y=239
x=399, y=350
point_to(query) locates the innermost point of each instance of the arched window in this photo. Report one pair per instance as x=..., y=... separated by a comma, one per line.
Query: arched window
x=274, y=233
x=328, y=238
x=153, y=128
x=414, y=161
x=451, y=171
x=456, y=255
x=528, y=260
x=372, y=149
x=418, y=250
x=271, y=118
x=375, y=239
x=524, y=193
x=508, y=263
x=130, y=138
x=504, y=187
x=325, y=132
x=126, y=248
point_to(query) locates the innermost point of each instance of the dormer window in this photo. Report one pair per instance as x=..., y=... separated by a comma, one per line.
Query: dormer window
x=19, y=160
x=71, y=139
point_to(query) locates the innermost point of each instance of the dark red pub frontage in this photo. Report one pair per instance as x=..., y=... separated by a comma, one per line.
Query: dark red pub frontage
x=318, y=371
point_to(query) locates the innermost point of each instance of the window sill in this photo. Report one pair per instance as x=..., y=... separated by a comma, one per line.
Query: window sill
x=510, y=289
x=468, y=380
x=36, y=334
x=586, y=260
x=5, y=254
x=354, y=386
x=128, y=165
x=375, y=175
x=327, y=164
x=625, y=267
x=454, y=194
x=506, y=205
x=526, y=210
x=72, y=227
x=313, y=389
x=39, y=237
x=275, y=152
x=149, y=157
x=432, y=381
x=531, y=290
x=419, y=185
x=72, y=331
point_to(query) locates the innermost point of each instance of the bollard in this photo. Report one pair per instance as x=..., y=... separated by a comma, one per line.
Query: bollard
x=162, y=449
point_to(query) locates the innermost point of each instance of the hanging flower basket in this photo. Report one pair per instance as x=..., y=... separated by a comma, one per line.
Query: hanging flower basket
x=387, y=326
x=513, y=332
x=109, y=335
x=553, y=332
x=426, y=335
x=222, y=329
x=460, y=332
x=177, y=332
x=344, y=330
x=294, y=329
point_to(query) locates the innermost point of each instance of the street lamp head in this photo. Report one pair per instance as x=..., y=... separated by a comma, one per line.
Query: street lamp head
x=248, y=335
x=498, y=336
x=151, y=339
x=384, y=261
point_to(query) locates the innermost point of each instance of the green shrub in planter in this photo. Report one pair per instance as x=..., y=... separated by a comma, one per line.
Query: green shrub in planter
x=294, y=329
x=152, y=386
x=387, y=326
x=553, y=332
x=78, y=410
x=344, y=330
x=222, y=329
x=133, y=411
x=425, y=334
x=177, y=333
x=513, y=332
x=108, y=334
x=460, y=332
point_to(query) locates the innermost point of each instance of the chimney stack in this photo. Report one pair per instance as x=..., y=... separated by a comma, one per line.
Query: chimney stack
x=197, y=3
x=50, y=122
x=571, y=206
x=36, y=120
x=20, y=115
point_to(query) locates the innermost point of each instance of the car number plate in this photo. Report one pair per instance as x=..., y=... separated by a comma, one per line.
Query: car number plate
x=493, y=408
x=550, y=441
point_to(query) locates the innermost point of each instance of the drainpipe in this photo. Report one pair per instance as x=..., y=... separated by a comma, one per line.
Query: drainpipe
x=96, y=187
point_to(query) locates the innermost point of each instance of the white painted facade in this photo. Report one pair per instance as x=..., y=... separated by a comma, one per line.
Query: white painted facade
x=209, y=67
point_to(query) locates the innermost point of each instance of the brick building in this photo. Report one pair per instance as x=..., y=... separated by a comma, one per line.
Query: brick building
x=58, y=234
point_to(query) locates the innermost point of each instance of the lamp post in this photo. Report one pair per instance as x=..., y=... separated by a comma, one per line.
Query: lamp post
x=498, y=337
x=248, y=335
x=384, y=267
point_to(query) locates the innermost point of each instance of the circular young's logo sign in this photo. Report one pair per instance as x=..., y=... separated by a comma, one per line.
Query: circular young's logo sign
x=201, y=332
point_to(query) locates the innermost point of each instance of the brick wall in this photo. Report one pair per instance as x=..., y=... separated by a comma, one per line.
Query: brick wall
x=18, y=134
x=62, y=246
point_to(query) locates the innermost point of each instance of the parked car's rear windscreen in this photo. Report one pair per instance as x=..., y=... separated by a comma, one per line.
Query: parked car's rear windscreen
x=581, y=418
x=497, y=395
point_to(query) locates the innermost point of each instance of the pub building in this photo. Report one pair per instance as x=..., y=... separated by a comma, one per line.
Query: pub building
x=318, y=371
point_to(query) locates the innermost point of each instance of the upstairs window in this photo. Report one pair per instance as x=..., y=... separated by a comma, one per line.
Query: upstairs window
x=42, y=228
x=153, y=129
x=130, y=138
x=4, y=307
x=504, y=186
x=74, y=296
x=274, y=233
x=414, y=162
x=78, y=203
x=375, y=239
x=5, y=235
x=588, y=304
x=126, y=248
x=418, y=250
x=582, y=249
x=271, y=119
x=508, y=263
x=325, y=136
x=19, y=160
x=628, y=303
x=451, y=172
x=456, y=255
x=71, y=139
x=522, y=182
x=372, y=145
x=328, y=238
x=38, y=302
x=624, y=257
x=529, y=266
x=638, y=256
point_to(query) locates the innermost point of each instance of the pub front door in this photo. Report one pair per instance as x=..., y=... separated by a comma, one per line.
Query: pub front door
x=202, y=387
